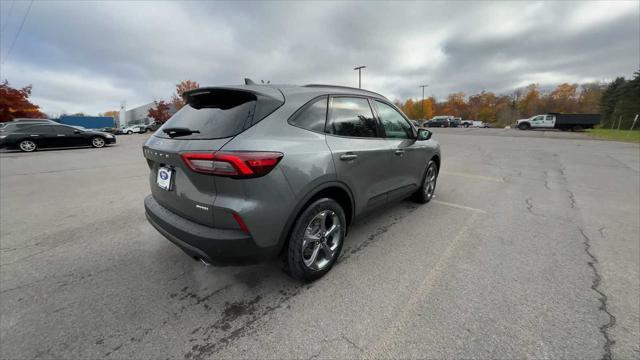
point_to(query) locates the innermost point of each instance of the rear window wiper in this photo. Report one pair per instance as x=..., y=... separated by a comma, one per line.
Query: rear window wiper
x=179, y=131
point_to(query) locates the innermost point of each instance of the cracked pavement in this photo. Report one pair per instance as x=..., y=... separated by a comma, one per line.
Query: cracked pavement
x=531, y=249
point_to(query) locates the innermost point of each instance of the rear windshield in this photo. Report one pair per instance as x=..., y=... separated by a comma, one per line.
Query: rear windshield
x=212, y=123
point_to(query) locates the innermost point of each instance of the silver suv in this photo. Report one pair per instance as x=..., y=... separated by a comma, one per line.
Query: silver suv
x=252, y=172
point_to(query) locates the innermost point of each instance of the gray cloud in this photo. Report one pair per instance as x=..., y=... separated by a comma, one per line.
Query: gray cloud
x=89, y=56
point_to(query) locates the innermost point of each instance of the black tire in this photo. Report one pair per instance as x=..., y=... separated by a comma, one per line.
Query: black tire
x=27, y=145
x=98, y=142
x=424, y=195
x=129, y=132
x=295, y=261
x=576, y=128
x=524, y=126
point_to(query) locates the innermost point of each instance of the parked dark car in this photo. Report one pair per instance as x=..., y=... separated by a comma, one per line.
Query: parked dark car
x=437, y=123
x=49, y=135
x=151, y=127
x=111, y=130
x=454, y=123
x=247, y=173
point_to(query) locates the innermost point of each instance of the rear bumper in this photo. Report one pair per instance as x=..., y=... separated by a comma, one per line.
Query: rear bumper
x=215, y=246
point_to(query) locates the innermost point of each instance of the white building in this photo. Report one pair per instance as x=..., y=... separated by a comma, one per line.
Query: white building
x=139, y=115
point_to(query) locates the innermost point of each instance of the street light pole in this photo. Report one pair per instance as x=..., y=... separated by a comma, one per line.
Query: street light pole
x=422, y=108
x=359, y=68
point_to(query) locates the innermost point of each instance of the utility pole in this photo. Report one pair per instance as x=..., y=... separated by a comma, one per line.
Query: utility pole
x=422, y=108
x=359, y=68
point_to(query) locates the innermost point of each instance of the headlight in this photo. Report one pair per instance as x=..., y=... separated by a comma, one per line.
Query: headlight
x=109, y=136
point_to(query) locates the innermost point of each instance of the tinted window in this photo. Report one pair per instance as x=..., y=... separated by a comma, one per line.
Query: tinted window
x=38, y=129
x=394, y=124
x=313, y=116
x=63, y=130
x=351, y=117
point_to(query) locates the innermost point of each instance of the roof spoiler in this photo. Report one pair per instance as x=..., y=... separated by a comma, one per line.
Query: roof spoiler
x=267, y=99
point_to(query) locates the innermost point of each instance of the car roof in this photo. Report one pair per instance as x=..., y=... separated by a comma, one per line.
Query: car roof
x=311, y=90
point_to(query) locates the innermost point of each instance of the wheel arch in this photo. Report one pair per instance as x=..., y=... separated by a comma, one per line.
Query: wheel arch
x=334, y=190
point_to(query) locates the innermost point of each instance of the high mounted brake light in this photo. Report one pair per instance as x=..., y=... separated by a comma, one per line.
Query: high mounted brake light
x=237, y=164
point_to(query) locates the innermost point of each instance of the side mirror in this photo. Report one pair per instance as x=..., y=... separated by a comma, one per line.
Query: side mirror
x=424, y=134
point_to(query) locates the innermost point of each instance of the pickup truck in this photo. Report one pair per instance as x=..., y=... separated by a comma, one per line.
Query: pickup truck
x=564, y=122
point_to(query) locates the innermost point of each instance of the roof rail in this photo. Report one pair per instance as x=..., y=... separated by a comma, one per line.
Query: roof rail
x=343, y=87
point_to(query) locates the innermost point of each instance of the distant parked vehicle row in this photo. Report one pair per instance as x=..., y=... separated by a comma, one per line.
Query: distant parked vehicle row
x=44, y=135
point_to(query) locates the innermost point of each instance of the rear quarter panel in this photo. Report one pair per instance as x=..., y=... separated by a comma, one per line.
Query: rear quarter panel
x=268, y=202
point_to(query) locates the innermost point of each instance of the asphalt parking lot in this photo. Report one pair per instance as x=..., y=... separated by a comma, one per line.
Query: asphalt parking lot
x=529, y=250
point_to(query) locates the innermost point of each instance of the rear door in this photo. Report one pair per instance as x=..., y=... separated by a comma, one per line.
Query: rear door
x=43, y=135
x=549, y=121
x=360, y=153
x=214, y=116
x=407, y=157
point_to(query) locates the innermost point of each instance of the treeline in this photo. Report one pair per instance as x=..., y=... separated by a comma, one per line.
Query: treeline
x=621, y=98
x=621, y=102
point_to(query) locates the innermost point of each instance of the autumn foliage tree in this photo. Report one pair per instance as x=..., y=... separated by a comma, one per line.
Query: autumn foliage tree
x=160, y=111
x=181, y=88
x=112, y=113
x=525, y=102
x=14, y=103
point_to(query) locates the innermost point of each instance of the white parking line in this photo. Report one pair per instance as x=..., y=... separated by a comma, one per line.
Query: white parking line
x=404, y=317
x=457, y=206
x=473, y=176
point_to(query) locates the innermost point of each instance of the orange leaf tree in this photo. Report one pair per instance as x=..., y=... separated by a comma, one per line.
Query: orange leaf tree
x=181, y=88
x=160, y=111
x=14, y=103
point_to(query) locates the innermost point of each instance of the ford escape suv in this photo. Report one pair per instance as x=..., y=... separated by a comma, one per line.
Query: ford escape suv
x=251, y=172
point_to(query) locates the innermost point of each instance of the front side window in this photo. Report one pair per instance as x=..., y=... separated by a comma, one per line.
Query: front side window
x=393, y=123
x=313, y=116
x=64, y=129
x=351, y=117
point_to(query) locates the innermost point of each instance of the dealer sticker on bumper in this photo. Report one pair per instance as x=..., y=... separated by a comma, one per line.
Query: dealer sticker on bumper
x=164, y=178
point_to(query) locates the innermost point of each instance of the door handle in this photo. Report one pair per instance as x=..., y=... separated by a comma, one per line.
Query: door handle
x=61, y=135
x=399, y=152
x=348, y=157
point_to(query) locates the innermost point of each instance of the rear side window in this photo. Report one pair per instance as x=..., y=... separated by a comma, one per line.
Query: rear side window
x=38, y=129
x=351, y=117
x=312, y=116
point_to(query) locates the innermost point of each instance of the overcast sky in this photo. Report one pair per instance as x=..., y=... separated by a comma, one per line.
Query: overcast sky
x=87, y=56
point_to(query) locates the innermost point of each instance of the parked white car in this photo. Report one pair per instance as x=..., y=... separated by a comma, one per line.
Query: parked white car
x=134, y=129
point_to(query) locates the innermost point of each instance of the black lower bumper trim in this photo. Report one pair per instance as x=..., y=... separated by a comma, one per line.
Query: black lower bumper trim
x=215, y=246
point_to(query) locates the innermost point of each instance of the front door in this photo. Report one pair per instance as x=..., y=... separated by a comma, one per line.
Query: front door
x=407, y=156
x=359, y=151
x=67, y=136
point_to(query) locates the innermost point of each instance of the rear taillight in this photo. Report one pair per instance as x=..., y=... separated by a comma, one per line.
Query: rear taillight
x=238, y=164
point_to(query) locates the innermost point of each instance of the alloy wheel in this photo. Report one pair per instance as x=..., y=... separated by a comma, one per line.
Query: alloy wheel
x=27, y=145
x=322, y=238
x=97, y=142
x=430, y=181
